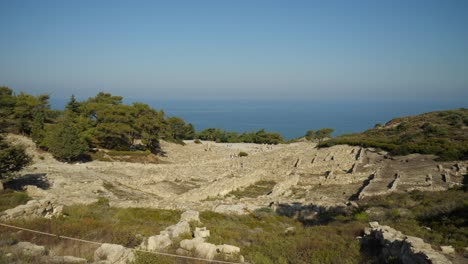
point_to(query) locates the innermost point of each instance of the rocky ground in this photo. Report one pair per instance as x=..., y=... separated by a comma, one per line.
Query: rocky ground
x=297, y=180
x=203, y=176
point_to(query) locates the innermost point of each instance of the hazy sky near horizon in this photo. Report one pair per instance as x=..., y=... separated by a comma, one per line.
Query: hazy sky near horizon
x=237, y=49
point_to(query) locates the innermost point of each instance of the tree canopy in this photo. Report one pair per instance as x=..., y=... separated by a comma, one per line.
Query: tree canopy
x=104, y=121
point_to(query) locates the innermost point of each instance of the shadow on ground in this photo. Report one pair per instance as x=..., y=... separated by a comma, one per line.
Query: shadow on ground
x=37, y=179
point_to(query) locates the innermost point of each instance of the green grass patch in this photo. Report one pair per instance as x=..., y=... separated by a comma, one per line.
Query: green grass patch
x=10, y=199
x=253, y=191
x=441, y=218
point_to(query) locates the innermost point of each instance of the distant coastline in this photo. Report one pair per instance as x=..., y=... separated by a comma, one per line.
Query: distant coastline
x=290, y=118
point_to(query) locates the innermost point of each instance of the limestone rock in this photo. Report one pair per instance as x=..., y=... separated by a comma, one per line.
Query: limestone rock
x=281, y=188
x=32, y=209
x=406, y=248
x=228, y=249
x=206, y=250
x=290, y=230
x=113, y=254
x=190, y=215
x=158, y=242
x=201, y=232
x=178, y=229
x=447, y=249
x=30, y=249
x=190, y=244
x=164, y=239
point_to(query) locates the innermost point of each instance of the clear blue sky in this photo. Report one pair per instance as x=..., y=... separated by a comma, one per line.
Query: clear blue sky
x=237, y=49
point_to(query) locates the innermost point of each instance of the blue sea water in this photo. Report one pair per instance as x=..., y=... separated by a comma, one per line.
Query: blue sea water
x=291, y=118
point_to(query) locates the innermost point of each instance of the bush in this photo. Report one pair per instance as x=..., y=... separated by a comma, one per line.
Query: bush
x=243, y=154
x=64, y=141
x=197, y=141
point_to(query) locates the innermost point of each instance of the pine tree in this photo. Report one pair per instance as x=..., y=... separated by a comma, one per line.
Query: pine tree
x=64, y=141
x=12, y=159
x=73, y=105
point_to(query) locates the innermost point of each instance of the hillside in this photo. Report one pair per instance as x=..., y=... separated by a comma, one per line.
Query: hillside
x=443, y=133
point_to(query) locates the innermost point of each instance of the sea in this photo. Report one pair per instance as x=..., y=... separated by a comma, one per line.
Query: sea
x=291, y=118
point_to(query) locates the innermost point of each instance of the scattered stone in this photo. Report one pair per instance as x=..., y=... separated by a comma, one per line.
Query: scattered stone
x=165, y=237
x=32, y=209
x=29, y=249
x=206, y=250
x=290, y=230
x=113, y=254
x=158, y=242
x=447, y=249
x=228, y=249
x=178, y=229
x=201, y=232
x=190, y=244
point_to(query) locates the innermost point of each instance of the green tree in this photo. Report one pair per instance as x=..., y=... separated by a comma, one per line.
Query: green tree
x=40, y=116
x=73, y=106
x=24, y=112
x=323, y=133
x=310, y=135
x=178, y=130
x=189, y=131
x=148, y=124
x=211, y=134
x=7, y=106
x=12, y=159
x=64, y=142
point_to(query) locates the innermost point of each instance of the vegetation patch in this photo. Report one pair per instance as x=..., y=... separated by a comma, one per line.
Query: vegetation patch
x=10, y=199
x=253, y=191
x=442, y=133
x=440, y=218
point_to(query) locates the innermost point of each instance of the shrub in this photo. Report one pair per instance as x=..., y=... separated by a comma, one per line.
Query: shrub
x=243, y=154
x=197, y=141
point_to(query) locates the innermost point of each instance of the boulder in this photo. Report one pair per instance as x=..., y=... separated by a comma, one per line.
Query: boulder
x=228, y=249
x=447, y=249
x=201, y=232
x=190, y=244
x=32, y=209
x=394, y=244
x=158, y=242
x=178, y=229
x=190, y=215
x=206, y=250
x=30, y=249
x=113, y=254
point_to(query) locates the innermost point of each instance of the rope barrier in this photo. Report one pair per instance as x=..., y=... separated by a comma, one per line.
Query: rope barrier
x=134, y=249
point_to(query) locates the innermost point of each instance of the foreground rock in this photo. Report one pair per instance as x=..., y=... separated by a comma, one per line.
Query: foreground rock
x=113, y=254
x=165, y=237
x=41, y=254
x=197, y=245
x=32, y=209
x=407, y=249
